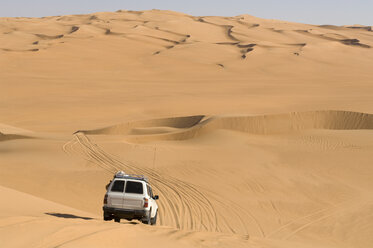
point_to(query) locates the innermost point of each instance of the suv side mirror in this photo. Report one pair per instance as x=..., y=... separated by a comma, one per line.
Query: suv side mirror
x=156, y=197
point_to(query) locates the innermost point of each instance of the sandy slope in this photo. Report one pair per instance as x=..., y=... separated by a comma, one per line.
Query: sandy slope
x=255, y=133
x=28, y=221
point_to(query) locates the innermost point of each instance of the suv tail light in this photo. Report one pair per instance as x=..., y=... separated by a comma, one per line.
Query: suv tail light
x=146, y=202
x=105, y=199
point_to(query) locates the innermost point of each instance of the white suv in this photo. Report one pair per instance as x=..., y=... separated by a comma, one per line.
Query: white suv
x=130, y=197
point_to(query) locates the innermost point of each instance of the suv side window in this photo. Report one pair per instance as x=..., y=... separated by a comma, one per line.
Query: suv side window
x=134, y=187
x=150, y=192
x=118, y=186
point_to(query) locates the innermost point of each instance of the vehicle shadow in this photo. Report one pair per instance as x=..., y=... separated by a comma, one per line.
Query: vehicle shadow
x=69, y=216
x=130, y=223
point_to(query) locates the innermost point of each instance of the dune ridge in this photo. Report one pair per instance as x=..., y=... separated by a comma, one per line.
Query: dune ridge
x=4, y=137
x=180, y=128
x=154, y=28
x=8, y=132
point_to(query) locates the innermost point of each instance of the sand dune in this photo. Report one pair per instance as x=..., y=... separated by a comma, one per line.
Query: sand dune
x=45, y=223
x=187, y=206
x=254, y=132
x=152, y=26
x=9, y=133
x=123, y=51
x=180, y=128
x=4, y=137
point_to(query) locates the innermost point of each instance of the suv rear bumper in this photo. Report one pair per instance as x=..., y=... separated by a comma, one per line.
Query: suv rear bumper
x=125, y=213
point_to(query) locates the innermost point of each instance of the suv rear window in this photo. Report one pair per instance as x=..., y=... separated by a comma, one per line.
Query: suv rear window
x=134, y=187
x=118, y=186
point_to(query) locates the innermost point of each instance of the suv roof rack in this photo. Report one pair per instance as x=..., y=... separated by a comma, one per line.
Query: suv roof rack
x=121, y=174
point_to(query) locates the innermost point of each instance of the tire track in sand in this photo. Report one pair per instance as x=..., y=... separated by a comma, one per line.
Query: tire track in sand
x=293, y=227
x=185, y=203
x=183, y=206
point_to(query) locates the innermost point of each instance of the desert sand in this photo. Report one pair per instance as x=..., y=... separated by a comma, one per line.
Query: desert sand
x=254, y=132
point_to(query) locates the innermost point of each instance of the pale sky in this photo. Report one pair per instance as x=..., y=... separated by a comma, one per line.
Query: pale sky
x=337, y=12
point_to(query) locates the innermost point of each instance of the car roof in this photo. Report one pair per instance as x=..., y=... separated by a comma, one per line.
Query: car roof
x=122, y=174
x=143, y=179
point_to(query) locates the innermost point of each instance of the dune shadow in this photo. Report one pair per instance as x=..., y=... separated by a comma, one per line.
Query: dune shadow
x=69, y=216
x=5, y=137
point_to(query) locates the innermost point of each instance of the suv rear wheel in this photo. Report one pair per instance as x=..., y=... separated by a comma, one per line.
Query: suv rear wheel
x=117, y=220
x=147, y=219
x=153, y=221
x=107, y=217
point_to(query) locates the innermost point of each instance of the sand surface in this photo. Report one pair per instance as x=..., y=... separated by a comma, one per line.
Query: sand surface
x=254, y=132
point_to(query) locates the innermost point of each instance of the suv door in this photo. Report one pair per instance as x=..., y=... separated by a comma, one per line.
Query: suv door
x=116, y=194
x=134, y=195
x=152, y=202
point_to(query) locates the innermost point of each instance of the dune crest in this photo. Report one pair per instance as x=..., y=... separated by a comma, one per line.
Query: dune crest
x=180, y=128
x=4, y=137
x=11, y=133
